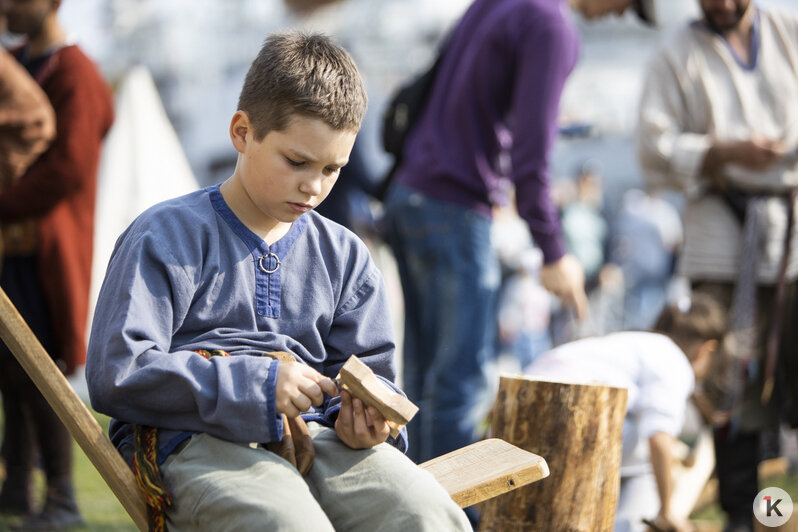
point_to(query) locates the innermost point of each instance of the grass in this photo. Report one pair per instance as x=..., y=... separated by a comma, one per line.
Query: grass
x=786, y=481
x=101, y=510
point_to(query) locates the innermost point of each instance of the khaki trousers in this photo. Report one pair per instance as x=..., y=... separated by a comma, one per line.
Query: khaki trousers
x=219, y=485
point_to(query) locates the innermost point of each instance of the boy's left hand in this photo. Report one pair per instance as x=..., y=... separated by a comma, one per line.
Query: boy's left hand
x=358, y=426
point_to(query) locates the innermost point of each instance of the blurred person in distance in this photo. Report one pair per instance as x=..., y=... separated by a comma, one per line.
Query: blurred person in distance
x=718, y=120
x=48, y=278
x=496, y=93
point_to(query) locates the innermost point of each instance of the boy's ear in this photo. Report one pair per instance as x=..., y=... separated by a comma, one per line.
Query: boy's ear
x=239, y=127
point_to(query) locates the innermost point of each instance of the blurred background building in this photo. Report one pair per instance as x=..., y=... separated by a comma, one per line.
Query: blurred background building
x=198, y=52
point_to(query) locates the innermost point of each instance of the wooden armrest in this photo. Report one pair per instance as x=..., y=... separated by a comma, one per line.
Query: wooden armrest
x=485, y=469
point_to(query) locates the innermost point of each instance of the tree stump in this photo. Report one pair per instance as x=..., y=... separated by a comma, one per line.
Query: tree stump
x=577, y=428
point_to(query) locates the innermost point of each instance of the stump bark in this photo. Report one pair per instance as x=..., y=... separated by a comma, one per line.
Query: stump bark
x=577, y=428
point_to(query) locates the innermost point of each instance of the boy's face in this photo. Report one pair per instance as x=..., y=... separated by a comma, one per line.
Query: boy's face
x=290, y=172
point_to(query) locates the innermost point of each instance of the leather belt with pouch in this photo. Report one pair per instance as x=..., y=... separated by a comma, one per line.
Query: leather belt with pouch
x=297, y=445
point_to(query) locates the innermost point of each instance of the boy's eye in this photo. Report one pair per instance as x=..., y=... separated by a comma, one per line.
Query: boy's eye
x=293, y=162
x=332, y=171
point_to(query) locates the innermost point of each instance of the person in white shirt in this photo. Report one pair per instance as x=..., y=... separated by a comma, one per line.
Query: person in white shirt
x=719, y=121
x=660, y=370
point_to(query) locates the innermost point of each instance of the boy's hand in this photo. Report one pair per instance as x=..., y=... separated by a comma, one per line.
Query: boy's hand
x=360, y=427
x=299, y=387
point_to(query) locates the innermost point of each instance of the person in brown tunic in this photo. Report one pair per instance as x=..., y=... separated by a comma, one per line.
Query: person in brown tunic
x=48, y=280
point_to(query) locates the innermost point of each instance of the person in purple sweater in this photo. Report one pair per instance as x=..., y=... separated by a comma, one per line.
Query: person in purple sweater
x=491, y=117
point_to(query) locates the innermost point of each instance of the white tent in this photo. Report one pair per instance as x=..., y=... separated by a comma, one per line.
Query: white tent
x=142, y=164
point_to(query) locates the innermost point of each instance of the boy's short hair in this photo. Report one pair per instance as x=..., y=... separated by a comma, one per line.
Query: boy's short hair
x=304, y=74
x=703, y=320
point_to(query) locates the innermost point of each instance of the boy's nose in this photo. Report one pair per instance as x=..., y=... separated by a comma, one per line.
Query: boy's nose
x=312, y=185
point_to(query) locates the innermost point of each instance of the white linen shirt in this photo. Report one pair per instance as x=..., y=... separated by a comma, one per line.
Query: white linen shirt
x=698, y=91
x=655, y=372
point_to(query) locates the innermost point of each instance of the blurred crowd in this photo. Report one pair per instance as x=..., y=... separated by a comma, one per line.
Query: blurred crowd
x=605, y=243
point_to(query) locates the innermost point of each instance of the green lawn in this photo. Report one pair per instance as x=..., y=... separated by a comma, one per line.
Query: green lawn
x=788, y=482
x=100, y=508
x=103, y=512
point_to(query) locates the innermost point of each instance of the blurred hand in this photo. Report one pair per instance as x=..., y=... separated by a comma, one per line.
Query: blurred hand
x=299, y=387
x=709, y=414
x=360, y=427
x=758, y=154
x=565, y=279
x=755, y=153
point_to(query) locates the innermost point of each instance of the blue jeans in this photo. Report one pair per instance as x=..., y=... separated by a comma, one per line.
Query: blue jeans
x=450, y=280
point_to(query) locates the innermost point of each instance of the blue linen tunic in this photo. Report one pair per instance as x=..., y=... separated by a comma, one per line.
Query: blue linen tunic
x=187, y=275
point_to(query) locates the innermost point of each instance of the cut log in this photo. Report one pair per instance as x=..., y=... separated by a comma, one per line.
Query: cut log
x=578, y=428
x=357, y=378
x=70, y=410
x=485, y=469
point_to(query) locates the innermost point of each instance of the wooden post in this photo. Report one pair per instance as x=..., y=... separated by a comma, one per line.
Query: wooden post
x=577, y=428
x=71, y=411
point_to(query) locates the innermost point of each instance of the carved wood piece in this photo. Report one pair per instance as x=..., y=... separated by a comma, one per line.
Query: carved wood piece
x=357, y=378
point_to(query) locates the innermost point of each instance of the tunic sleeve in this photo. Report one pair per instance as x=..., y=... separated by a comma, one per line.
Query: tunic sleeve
x=134, y=375
x=362, y=326
x=670, y=155
x=665, y=384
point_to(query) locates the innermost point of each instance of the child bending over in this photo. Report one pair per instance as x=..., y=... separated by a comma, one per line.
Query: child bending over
x=660, y=370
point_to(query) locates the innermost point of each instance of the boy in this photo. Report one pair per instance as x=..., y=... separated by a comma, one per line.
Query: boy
x=247, y=268
x=660, y=370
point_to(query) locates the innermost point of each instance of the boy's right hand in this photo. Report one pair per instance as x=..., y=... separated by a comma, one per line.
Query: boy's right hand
x=299, y=387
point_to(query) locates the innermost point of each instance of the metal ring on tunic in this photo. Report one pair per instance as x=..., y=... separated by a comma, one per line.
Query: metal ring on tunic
x=268, y=256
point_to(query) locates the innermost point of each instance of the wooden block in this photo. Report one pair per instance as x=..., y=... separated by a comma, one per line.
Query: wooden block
x=485, y=469
x=357, y=378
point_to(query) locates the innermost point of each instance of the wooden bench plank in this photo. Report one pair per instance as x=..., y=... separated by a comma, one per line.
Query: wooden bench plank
x=485, y=469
